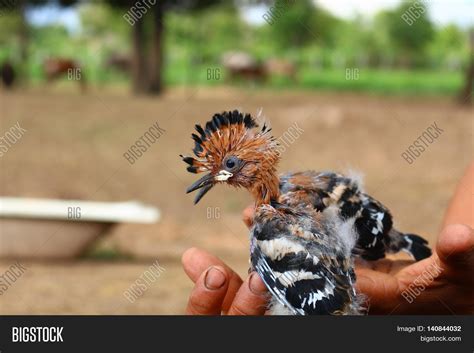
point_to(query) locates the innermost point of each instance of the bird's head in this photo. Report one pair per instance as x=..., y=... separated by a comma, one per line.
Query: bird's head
x=232, y=149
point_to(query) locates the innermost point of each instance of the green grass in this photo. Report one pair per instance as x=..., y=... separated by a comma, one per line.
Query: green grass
x=388, y=82
x=397, y=82
x=384, y=81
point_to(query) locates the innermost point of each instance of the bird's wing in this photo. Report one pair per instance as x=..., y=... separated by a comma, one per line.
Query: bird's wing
x=303, y=282
x=373, y=225
x=274, y=284
x=373, y=220
x=321, y=189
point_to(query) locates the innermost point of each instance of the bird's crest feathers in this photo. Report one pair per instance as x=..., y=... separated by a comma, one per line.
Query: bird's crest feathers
x=230, y=132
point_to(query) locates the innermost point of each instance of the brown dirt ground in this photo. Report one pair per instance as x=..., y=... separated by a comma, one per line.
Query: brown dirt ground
x=74, y=144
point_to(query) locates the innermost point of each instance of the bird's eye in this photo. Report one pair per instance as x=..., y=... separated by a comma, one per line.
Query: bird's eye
x=232, y=163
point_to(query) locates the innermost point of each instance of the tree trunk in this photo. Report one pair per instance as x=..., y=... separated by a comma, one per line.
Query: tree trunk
x=465, y=95
x=23, y=35
x=156, y=52
x=139, y=72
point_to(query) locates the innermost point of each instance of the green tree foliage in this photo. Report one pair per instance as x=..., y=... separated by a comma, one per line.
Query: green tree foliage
x=100, y=19
x=12, y=21
x=291, y=22
x=449, y=48
x=15, y=4
x=410, y=30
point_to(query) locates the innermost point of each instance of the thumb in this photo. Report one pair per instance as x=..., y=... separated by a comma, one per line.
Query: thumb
x=380, y=289
x=455, y=249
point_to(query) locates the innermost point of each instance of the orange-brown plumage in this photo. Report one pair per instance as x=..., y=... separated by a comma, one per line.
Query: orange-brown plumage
x=230, y=138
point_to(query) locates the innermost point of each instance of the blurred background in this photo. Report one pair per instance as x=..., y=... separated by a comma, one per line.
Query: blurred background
x=84, y=81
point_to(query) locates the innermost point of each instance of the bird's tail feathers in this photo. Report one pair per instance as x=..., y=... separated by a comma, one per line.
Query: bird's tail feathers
x=413, y=244
x=417, y=246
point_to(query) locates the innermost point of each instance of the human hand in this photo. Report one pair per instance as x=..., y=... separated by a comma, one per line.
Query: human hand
x=219, y=290
x=440, y=284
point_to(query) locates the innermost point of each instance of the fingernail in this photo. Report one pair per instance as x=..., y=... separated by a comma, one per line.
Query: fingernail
x=214, y=279
x=256, y=285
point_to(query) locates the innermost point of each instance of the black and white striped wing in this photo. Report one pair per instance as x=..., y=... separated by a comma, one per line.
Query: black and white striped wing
x=372, y=224
x=273, y=283
x=301, y=282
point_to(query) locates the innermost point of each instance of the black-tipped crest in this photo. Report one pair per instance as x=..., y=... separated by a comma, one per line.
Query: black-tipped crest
x=218, y=122
x=200, y=130
x=224, y=119
x=189, y=160
x=210, y=127
x=224, y=132
x=249, y=122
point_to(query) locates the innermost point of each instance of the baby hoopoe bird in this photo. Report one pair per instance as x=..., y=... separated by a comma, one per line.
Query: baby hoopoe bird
x=303, y=236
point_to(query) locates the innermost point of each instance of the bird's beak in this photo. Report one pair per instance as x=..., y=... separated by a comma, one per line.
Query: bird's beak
x=223, y=175
x=207, y=182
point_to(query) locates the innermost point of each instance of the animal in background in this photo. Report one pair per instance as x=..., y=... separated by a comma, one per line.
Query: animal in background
x=280, y=68
x=7, y=73
x=240, y=65
x=55, y=68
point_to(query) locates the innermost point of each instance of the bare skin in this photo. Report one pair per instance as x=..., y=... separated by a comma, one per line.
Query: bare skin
x=461, y=208
x=441, y=284
x=218, y=289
